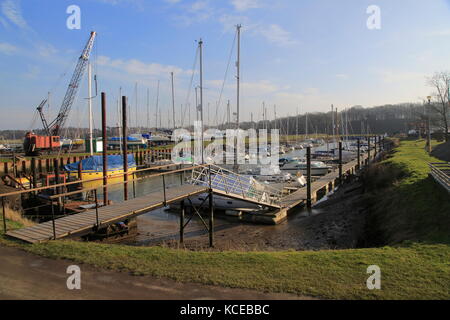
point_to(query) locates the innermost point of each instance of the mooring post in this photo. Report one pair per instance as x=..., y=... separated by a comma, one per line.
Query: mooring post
x=33, y=172
x=164, y=189
x=53, y=219
x=96, y=207
x=181, y=175
x=4, y=214
x=359, y=154
x=375, y=145
x=80, y=168
x=368, y=150
x=134, y=187
x=40, y=166
x=58, y=189
x=308, y=178
x=14, y=163
x=340, y=162
x=125, y=148
x=211, y=219
x=182, y=222
x=211, y=212
x=105, y=145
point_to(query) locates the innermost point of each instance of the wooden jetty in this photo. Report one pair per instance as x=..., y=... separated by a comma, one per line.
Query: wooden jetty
x=326, y=184
x=83, y=223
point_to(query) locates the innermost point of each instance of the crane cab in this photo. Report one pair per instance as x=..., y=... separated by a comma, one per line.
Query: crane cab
x=34, y=144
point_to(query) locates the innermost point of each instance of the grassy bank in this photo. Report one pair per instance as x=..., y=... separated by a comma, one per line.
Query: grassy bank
x=412, y=270
x=406, y=203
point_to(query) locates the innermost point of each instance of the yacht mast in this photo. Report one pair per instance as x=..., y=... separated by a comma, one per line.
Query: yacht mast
x=173, y=103
x=148, y=109
x=296, y=131
x=157, y=105
x=332, y=123
x=91, y=144
x=238, y=75
x=200, y=45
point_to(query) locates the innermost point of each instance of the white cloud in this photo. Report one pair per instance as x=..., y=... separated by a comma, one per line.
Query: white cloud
x=199, y=5
x=7, y=48
x=242, y=5
x=138, y=4
x=259, y=87
x=229, y=22
x=276, y=35
x=11, y=10
x=172, y=1
x=139, y=68
x=46, y=50
x=342, y=76
x=196, y=12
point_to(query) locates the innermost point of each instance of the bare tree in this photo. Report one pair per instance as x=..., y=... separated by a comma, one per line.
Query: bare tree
x=440, y=81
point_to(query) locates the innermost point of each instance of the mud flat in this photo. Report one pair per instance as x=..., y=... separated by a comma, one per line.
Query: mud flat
x=334, y=223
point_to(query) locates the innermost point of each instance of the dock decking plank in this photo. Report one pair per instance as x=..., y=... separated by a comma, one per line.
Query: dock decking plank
x=84, y=221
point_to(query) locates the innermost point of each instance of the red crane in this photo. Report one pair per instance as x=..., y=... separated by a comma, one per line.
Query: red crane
x=34, y=144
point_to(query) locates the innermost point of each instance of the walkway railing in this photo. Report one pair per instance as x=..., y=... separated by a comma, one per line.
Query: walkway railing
x=441, y=173
x=235, y=185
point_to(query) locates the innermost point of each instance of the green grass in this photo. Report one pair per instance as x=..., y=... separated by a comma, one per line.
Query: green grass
x=419, y=270
x=414, y=207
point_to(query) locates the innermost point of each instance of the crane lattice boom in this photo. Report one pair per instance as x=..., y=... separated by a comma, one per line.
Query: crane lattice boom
x=56, y=125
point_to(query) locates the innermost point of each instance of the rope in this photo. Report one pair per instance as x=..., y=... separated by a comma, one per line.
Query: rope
x=225, y=78
x=190, y=87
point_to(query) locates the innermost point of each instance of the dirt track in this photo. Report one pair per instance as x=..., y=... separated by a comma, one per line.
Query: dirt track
x=26, y=276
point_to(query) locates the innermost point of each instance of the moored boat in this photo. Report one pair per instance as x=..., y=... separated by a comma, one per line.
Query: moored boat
x=92, y=168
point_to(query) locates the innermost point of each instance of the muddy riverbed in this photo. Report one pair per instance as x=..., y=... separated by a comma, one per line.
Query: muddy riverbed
x=335, y=223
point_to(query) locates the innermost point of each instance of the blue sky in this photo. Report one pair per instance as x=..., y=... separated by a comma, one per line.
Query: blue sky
x=305, y=54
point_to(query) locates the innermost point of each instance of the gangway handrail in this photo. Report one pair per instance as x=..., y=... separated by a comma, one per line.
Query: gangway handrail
x=236, y=187
x=439, y=175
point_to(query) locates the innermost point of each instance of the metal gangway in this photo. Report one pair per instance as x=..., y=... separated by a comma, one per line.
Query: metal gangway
x=232, y=185
x=441, y=173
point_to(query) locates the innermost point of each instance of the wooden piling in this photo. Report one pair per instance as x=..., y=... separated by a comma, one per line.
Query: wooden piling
x=105, y=158
x=125, y=147
x=182, y=221
x=80, y=168
x=340, y=162
x=33, y=172
x=308, y=178
x=359, y=154
x=211, y=219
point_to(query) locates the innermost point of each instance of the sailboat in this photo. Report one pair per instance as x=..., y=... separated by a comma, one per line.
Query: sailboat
x=92, y=168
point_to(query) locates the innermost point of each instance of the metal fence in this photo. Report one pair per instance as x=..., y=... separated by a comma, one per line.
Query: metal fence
x=441, y=173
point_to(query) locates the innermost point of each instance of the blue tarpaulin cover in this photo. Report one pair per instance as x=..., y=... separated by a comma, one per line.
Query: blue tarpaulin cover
x=119, y=139
x=95, y=163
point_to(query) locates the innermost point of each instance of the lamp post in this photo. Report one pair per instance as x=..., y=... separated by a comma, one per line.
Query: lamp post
x=428, y=145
